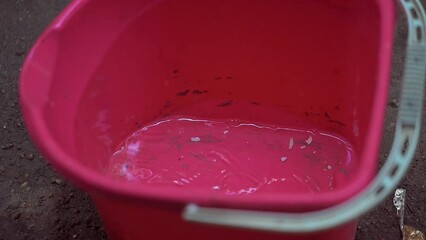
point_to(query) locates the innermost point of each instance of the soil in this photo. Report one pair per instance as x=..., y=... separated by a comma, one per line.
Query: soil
x=37, y=203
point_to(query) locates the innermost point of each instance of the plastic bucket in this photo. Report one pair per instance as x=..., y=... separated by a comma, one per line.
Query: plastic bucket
x=105, y=69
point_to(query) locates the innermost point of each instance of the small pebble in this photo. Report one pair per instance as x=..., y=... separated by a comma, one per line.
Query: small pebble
x=24, y=184
x=30, y=156
x=309, y=140
x=394, y=103
x=50, y=195
x=291, y=143
x=16, y=215
x=56, y=180
x=7, y=146
x=28, y=189
x=302, y=147
x=411, y=233
x=195, y=139
x=20, y=51
x=329, y=167
x=283, y=159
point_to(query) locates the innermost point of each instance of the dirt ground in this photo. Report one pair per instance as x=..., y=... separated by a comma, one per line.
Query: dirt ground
x=37, y=203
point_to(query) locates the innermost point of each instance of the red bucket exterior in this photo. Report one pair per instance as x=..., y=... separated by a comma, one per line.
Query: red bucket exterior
x=321, y=56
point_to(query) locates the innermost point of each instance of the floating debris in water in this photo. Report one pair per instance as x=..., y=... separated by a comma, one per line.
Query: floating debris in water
x=272, y=181
x=291, y=143
x=302, y=147
x=178, y=182
x=203, y=154
x=133, y=148
x=298, y=178
x=331, y=183
x=309, y=140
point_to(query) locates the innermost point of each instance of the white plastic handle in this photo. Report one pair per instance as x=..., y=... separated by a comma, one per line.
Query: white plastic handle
x=406, y=138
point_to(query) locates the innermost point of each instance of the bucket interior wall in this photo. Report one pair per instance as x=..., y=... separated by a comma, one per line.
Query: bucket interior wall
x=315, y=61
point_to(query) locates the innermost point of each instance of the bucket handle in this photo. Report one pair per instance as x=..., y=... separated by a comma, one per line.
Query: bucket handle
x=398, y=161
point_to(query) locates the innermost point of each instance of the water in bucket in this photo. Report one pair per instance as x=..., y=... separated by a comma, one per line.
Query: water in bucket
x=232, y=156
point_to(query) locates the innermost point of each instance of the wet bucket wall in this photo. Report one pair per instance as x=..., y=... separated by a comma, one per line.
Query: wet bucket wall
x=302, y=84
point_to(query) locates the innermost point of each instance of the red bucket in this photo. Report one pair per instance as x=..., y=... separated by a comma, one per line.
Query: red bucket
x=302, y=84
